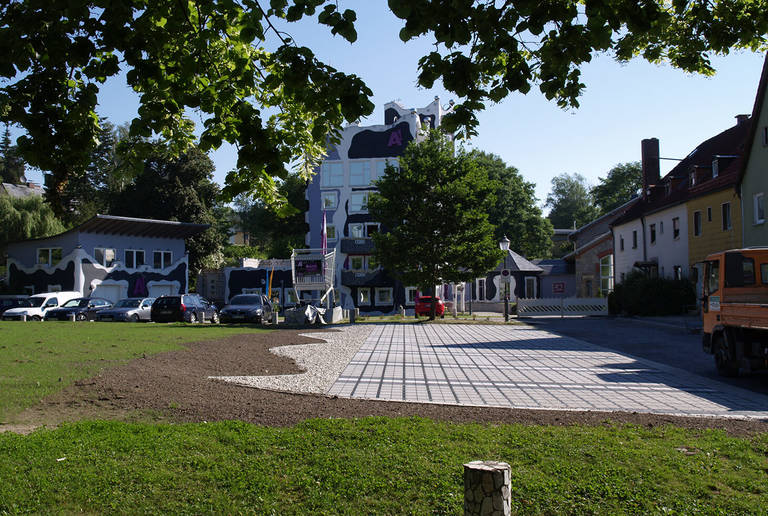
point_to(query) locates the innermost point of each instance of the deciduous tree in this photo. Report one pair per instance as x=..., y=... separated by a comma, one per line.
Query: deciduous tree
x=176, y=188
x=570, y=202
x=434, y=208
x=276, y=102
x=515, y=213
x=622, y=183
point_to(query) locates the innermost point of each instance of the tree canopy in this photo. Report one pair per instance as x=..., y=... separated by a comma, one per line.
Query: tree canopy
x=434, y=207
x=277, y=103
x=514, y=213
x=571, y=202
x=11, y=165
x=176, y=188
x=622, y=183
x=276, y=231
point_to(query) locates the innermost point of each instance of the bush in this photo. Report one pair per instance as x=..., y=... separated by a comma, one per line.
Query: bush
x=642, y=295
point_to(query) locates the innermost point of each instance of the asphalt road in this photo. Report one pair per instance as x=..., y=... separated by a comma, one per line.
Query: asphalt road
x=667, y=345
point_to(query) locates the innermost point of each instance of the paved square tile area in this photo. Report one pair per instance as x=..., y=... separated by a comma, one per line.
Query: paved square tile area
x=524, y=367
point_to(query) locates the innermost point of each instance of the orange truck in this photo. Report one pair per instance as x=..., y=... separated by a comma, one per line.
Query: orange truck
x=735, y=310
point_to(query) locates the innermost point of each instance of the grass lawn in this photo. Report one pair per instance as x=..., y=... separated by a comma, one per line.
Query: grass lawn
x=37, y=359
x=376, y=466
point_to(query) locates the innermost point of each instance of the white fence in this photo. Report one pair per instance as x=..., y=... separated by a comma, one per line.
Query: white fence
x=562, y=306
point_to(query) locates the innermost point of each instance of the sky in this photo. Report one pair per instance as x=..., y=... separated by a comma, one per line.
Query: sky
x=622, y=103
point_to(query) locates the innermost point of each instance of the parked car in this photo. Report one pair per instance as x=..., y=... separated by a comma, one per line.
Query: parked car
x=183, y=308
x=132, y=309
x=247, y=308
x=424, y=306
x=36, y=306
x=11, y=301
x=84, y=308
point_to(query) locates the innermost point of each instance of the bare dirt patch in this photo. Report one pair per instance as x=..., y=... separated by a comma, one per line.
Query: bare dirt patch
x=174, y=387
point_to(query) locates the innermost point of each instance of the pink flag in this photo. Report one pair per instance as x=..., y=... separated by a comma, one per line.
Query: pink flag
x=324, y=235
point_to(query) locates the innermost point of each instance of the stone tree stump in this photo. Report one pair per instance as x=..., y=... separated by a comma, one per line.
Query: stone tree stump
x=486, y=489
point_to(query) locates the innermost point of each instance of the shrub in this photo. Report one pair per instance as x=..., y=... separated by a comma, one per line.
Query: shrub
x=643, y=295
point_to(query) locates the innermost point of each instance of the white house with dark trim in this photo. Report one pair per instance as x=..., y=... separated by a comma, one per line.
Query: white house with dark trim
x=106, y=256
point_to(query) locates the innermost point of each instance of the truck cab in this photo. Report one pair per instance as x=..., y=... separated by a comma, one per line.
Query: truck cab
x=735, y=310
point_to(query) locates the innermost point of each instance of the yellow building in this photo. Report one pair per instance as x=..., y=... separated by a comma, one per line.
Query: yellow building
x=714, y=216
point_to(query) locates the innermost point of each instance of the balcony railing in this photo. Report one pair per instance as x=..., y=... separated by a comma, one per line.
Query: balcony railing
x=350, y=278
x=356, y=245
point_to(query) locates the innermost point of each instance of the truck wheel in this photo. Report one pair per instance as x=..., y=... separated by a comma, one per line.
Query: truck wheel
x=724, y=357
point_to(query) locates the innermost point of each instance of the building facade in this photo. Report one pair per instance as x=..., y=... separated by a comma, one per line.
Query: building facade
x=339, y=193
x=753, y=177
x=106, y=256
x=687, y=214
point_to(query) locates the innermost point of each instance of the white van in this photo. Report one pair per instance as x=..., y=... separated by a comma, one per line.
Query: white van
x=36, y=305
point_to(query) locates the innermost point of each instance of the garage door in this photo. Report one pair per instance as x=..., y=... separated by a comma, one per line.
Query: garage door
x=111, y=292
x=161, y=290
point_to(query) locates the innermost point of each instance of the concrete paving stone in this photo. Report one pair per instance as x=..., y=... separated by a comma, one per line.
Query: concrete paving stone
x=523, y=366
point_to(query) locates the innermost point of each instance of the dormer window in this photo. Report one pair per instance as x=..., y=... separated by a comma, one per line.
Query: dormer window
x=715, y=168
x=692, y=178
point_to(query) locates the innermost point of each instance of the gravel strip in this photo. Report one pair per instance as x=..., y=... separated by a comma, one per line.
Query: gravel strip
x=323, y=362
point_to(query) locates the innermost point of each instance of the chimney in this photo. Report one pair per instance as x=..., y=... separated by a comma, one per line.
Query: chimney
x=742, y=119
x=649, y=151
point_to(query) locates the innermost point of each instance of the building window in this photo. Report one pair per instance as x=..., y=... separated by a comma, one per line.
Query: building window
x=104, y=256
x=696, y=223
x=709, y=214
x=161, y=259
x=134, y=258
x=726, y=208
x=383, y=296
x=381, y=167
x=330, y=232
x=357, y=230
x=332, y=174
x=372, y=263
x=758, y=201
x=330, y=200
x=764, y=273
x=290, y=297
x=481, y=290
x=357, y=263
x=606, y=275
x=49, y=256
x=661, y=227
x=363, y=296
x=530, y=287
x=371, y=228
x=621, y=243
x=676, y=228
x=410, y=295
x=715, y=168
x=692, y=177
x=765, y=135
x=678, y=272
x=634, y=240
x=653, y=233
x=359, y=173
x=358, y=201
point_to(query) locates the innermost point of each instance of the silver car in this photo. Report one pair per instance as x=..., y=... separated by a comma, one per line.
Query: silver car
x=132, y=309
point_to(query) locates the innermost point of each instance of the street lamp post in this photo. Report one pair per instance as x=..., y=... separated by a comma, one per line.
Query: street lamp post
x=504, y=246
